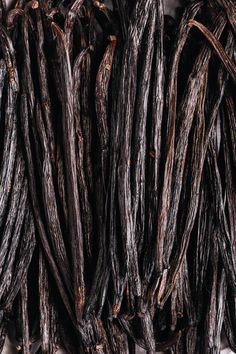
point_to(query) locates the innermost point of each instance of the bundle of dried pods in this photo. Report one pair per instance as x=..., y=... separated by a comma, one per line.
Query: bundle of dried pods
x=117, y=176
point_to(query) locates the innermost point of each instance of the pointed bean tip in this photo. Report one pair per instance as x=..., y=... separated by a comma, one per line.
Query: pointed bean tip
x=35, y=4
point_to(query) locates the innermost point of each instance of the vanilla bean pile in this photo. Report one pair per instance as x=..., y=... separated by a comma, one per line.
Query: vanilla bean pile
x=118, y=176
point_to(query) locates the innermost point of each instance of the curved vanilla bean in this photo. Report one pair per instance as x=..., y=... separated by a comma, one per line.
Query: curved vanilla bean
x=101, y=103
x=10, y=138
x=86, y=118
x=50, y=204
x=140, y=126
x=187, y=109
x=43, y=84
x=228, y=63
x=154, y=145
x=100, y=281
x=125, y=118
x=86, y=208
x=27, y=81
x=35, y=205
x=74, y=214
x=170, y=137
x=117, y=264
x=29, y=89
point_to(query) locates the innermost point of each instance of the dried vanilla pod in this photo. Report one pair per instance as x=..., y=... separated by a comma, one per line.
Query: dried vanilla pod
x=117, y=188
